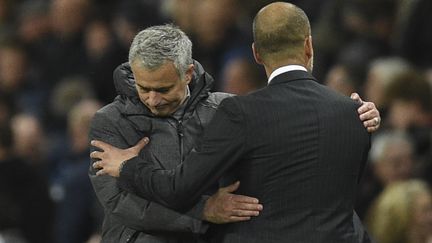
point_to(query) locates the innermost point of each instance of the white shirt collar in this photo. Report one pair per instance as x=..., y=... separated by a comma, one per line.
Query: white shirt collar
x=285, y=69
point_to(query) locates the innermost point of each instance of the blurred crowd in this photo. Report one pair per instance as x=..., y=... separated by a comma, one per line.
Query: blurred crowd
x=56, y=64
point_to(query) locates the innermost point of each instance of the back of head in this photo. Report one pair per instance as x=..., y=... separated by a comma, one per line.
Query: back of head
x=153, y=46
x=280, y=30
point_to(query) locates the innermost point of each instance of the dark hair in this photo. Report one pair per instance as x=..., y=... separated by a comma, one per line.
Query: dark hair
x=411, y=86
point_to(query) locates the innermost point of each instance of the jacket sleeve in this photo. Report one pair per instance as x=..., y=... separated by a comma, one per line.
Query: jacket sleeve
x=223, y=144
x=129, y=209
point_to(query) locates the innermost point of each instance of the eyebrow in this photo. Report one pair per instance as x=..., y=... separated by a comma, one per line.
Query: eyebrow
x=156, y=89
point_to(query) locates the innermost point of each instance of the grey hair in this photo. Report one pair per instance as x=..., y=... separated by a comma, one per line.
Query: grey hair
x=382, y=141
x=386, y=69
x=155, y=45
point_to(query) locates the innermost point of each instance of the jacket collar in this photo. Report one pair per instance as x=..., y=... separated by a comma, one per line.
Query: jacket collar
x=291, y=76
x=124, y=82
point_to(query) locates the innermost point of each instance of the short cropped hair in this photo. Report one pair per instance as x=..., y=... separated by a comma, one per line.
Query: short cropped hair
x=155, y=45
x=284, y=36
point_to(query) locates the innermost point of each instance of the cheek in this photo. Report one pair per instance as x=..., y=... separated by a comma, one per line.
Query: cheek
x=142, y=97
x=174, y=97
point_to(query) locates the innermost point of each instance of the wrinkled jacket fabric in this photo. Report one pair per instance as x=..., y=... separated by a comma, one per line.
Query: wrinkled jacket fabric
x=122, y=123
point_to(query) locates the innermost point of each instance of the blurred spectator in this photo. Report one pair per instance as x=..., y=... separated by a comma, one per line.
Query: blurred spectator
x=409, y=100
x=76, y=215
x=340, y=78
x=68, y=17
x=130, y=17
x=392, y=159
x=28, y=95
x=6, y=10
x=25, y=207
x=103, y=53
x=180, y=12
x=33, y=29
x=353, y=31
x=65, y=95
x=410, y=109
x=311, y=7
x=33, y=21
x=63, y=52
x=382, y=72
x=30, y=143
x=402, y=214
x=242, y=76
x=216, y=36
x=414, y=39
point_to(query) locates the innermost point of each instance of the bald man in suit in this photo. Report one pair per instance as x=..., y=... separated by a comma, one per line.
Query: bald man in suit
x=296, y=145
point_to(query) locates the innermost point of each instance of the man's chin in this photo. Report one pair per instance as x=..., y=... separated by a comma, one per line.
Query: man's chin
x=161, y=113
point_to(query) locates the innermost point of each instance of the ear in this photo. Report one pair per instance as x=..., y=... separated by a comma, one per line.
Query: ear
x=189, y=73
x=256, y=55
x=308, y=47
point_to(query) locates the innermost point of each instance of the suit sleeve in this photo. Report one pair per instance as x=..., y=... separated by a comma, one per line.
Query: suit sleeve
x=129, y=209
x=223, y=144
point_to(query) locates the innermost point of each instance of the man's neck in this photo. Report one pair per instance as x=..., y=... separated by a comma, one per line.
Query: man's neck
x=271, y=67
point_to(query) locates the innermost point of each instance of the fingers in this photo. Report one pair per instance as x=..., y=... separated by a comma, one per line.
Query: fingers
x=372, y=129
x=244, y=199
x=96, y=155
x=231, y=188
x=372, y=123
x=98, y=165
x=233, y=219
x=246, y=203
x=366, y=106
x=245, y=213
x=141, y=144
x=100, y=144
x=369, y=115
x=248, y=207
x=357, y=98
x=101, y=172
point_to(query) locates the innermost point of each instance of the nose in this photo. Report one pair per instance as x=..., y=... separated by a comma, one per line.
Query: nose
x=154, y=98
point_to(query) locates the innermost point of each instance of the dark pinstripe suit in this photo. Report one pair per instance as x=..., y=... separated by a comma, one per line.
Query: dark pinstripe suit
x=296, y=145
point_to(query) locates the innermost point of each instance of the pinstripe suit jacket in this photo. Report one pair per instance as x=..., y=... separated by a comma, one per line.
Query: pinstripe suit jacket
x=296, y=145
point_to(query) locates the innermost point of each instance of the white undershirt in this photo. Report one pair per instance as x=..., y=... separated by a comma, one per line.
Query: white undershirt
x=285, y=69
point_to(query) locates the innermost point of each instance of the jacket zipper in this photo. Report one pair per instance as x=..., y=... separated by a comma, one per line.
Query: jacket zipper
x=180, y=135
x=133, y=237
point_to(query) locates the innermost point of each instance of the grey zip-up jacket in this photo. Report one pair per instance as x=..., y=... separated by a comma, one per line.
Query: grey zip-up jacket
x=122, y=123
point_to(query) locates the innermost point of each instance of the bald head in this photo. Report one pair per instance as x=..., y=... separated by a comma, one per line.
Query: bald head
x=280, y=30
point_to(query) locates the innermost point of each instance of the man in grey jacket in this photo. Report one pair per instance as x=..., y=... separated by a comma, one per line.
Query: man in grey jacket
x=170, y=101
x=164, y=95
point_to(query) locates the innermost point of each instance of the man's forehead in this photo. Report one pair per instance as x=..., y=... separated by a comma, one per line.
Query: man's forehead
x=159, y=78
